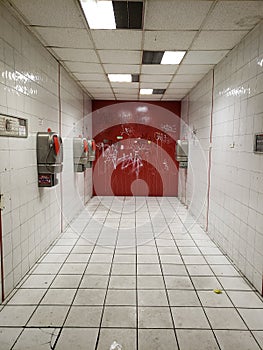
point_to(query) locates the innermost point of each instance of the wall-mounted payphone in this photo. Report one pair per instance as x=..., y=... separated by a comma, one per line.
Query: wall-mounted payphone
x=49, y=158
x=182, y=153
x=92, y=152
x=80, y=154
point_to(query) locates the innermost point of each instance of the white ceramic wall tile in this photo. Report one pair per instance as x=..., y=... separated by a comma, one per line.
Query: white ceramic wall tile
x=29, y=88
x=235, y=213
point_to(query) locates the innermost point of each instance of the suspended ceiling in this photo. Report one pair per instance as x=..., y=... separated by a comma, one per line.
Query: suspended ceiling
x=206, y=30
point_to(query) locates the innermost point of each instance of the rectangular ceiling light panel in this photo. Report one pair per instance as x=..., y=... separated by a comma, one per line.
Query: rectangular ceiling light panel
x=120, y=78
x=99, y=14
x=146, y=91
x=172, y=57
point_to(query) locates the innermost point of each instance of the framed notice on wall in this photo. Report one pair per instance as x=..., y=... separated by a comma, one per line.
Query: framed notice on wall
x=258, y=143
x=11, y=126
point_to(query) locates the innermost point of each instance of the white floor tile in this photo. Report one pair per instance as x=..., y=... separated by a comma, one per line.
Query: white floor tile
x=225, y=318
x=77, y=338
x=8, y=336
x=156, y=339
x=125, y=337
x=37, y=338
x=189, y=317
x=196, y=339
x=229, y=340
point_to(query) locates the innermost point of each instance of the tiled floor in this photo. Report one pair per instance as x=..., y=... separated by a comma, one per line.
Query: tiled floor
x=139, y=271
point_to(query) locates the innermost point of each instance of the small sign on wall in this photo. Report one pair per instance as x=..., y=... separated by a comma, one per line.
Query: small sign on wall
x=12, y=126
x=258, y=143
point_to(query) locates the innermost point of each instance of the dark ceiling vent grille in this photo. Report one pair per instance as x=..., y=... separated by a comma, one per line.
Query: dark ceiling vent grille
x=128, y=14
x=158, y=91
x=135, y=78
x=152, y=57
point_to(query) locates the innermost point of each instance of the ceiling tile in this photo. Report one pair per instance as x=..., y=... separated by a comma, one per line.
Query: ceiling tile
x=194, y=69
x=150, y=97
x=172, y=98
x=120, y=56
x=159, y=68
x=127, y=97
x=168, y=40
x=176, y=15
x=153, y=85
x=76, y=55
x=187, y=78
x=144, y=78
x=90, y=77
x=117, y=39
x=218, y=40
x=65, y=37
x=122, y=68
x=176, y=91
x=83, y=67
x=99, y=91
x=104, y=97
x=59, y=13
x=125, y=85
x=235, y=15
x=182, y=85
x=96, y=84
x=204, y=57
x=125, y=91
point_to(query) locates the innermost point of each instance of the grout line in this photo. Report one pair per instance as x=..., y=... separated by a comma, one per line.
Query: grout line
x=165, y=287
x=190, y=277
x=107, y=288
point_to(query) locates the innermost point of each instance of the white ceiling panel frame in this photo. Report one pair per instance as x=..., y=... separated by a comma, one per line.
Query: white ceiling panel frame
x=235, y=15
x=172, y=98
x=158, y=40
x=119, y=39
x=150, y=97
x=148, y=78
x=76, y=55
x=65, y=37
x=83, y=67
x=204, y=57
x=95, y=84
x=218, y=40
x=159, y=68
x=153, y=85
x=125, y=86
x=45, y=13
x=118, y=68
x=127, y=97
x=174, y=90
x=102, y=95
x=194, y=78
x=120, y=56
x=91, y=77
x=182, y=85
x=194, y=68
x=125, y=91
x=176, y=15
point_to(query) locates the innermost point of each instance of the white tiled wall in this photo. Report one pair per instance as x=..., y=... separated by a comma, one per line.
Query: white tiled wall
x=29, y=88
x=236, y=197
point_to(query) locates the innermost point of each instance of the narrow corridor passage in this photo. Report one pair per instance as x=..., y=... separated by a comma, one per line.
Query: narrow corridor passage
x=137, y=271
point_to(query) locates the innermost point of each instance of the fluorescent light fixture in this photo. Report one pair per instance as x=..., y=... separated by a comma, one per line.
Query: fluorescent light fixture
x=146, y=91
x=172, y=57
x=99, y=14
x=120, y=78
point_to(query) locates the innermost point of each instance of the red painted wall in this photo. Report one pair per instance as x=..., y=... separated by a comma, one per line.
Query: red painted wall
x=135, y=148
